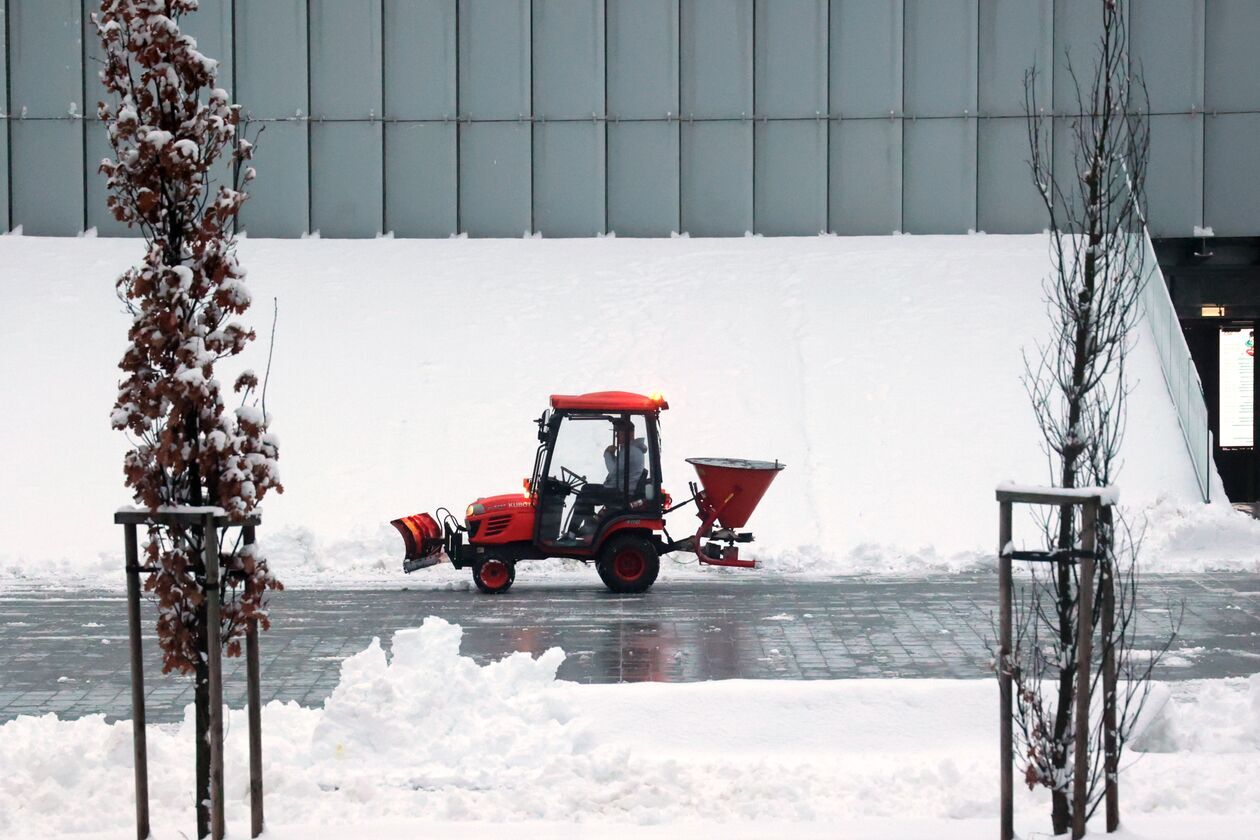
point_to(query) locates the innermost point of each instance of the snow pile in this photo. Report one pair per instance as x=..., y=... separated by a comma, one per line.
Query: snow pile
x=1219, y=719
x=1193, y=537
x=884, y=371
x=427, y=717
x=424, y=736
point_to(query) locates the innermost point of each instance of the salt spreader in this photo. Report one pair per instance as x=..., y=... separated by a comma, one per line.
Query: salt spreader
x=595, y=495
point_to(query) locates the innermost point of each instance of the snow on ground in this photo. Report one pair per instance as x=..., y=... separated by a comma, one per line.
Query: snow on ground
x=884, y=371
x=421, y=741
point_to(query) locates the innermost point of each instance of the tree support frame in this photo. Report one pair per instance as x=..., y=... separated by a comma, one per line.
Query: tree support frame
x=211, y=522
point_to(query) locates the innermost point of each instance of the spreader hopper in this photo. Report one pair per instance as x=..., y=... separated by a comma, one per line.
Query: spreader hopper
x=732, y=489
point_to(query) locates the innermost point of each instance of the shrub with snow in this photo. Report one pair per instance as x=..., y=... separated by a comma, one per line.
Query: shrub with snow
x=169, y=128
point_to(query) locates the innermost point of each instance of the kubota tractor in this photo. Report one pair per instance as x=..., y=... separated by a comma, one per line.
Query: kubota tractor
x=595, y=495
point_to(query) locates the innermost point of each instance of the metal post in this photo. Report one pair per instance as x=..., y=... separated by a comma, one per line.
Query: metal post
x=255, y=718
x=1004, y=674
x=140, y=752
x=1111, y=759
x=214, y=661
x=1084, y=651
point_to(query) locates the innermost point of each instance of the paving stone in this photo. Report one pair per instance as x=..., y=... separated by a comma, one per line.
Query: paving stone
x=680, y=631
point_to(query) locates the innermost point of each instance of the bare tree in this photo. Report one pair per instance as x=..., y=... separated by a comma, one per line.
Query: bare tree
x=170, y=126
x=1076, y=382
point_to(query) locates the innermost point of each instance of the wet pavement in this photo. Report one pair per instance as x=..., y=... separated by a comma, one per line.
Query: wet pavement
x=67, y=652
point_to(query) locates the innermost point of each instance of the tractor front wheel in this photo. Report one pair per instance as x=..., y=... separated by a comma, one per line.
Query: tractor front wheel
x=493, y=574
x=628, y=564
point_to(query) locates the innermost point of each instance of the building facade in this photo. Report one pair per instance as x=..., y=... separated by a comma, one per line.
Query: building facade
x=427, y=118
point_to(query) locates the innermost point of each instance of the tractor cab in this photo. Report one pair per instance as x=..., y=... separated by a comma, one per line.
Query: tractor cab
x=598, y=466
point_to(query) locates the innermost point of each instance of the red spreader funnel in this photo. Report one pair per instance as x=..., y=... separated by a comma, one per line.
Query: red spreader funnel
x=734, y=486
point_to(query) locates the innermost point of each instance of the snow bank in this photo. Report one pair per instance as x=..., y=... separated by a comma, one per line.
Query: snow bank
x=884, y=371
x=423, y=736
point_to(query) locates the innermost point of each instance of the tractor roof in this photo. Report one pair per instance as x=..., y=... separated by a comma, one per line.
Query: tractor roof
x=609, y=401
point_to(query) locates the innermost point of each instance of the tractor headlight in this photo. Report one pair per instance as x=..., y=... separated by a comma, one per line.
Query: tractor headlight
x=474, y=510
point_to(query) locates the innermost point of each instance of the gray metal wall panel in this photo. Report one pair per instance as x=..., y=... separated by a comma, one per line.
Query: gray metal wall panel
x=940, y=176
x=941, y=58
x=717, y=163
x=1233, y=56
x=279, y=199
x=866, y=66
x=1174, y=175
x=345, y=59
x=569, y=178
x=271, y=60
x=45, y=58
x=494, y=59
x=1015, y=35
x=643, y=59
x=96, y=141
x=4, y=122
x=420, y=178
x=790, y=177
x=1232, y=175
x=716, y=61
x=4, y=174
x=4, y=61
x=568, y=58
x=494, y=179
x=47, y=185
x=1167, y=44
x=419, y=55
x=1006, y=199
x=1077, y=33
x=865, y=173
x=411, y=60
x=643, y=178
x=211, y=26
x=346, y=179
x=791, y=59
x=93, y=60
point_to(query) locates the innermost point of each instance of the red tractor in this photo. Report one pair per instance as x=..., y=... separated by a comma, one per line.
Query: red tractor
x=595, y=495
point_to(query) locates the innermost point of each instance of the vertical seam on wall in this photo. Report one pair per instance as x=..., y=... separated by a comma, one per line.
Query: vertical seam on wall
x=604, y=6
x=827, y=227
x=83, y=127
x=1054, y=52
x=975, y=206
x=310, y=128
x=1203, y=120
x=231, y=45
x=752, y=66
x=679, y=83
x=533, y=167
x=901, y=211
x=458, y=137
x=8, y=120
x=384, y=125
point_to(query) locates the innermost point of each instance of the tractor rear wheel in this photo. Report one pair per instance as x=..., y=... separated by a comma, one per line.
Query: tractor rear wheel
x=493, y=574
x=628, y=563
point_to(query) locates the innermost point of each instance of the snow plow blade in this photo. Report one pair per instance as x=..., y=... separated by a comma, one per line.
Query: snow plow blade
x=423, y=540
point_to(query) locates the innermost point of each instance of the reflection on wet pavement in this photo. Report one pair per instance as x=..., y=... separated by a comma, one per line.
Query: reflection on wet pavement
x=67, y=653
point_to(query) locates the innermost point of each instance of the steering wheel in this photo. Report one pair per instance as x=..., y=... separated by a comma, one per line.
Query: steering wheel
x=574, y=481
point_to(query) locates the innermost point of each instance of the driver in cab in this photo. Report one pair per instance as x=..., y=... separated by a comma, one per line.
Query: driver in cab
x=583, y=521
